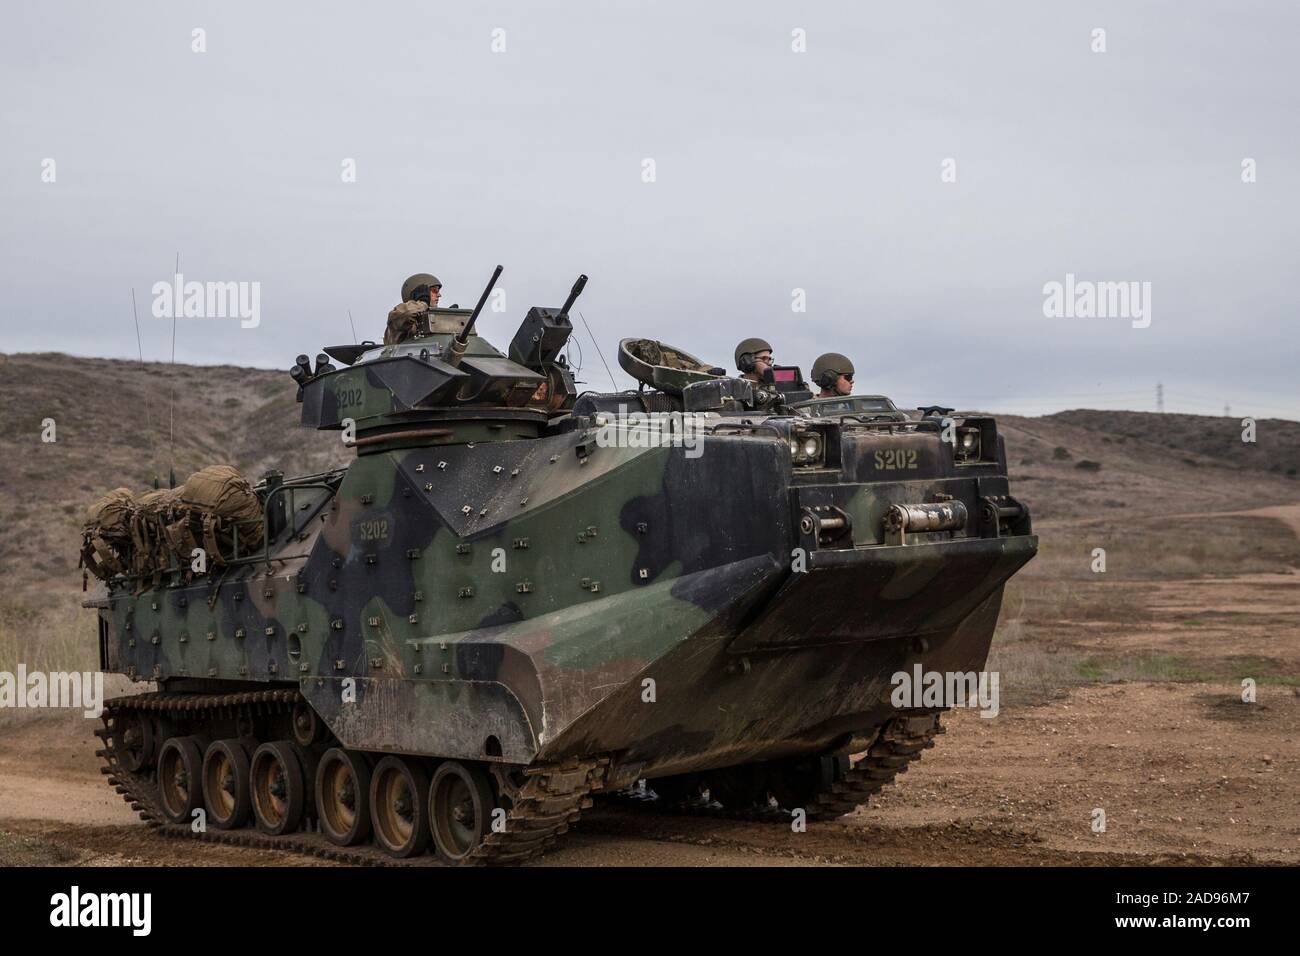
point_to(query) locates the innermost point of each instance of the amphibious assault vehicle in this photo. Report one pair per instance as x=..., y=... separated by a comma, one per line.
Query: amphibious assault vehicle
x=515, y=599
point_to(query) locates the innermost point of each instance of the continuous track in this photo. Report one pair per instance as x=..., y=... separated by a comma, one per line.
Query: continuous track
x=547, y=802
x=899, y=742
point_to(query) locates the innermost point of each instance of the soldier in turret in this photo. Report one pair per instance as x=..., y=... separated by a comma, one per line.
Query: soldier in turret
x=420, y=293
x=754, y=360
x=833, y=374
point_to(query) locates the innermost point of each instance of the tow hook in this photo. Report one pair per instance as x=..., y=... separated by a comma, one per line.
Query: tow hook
x=933, y=516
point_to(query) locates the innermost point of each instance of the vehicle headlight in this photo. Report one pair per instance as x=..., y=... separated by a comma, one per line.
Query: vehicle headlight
x=968, y=444
x=806, y=448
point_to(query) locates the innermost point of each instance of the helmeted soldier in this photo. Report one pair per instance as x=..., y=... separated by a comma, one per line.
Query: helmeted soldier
x=754, y=360
x=420, y=293
x=833, y=373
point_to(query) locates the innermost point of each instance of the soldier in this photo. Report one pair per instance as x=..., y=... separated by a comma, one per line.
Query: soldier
x=420, y=293
x=833, y=372
x=754, y=360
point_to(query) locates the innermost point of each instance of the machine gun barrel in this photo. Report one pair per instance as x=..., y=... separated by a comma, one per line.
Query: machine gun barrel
x=461, y=341
x=573, y=296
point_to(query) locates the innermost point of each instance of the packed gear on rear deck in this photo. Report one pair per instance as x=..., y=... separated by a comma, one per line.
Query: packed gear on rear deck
x=216, y=509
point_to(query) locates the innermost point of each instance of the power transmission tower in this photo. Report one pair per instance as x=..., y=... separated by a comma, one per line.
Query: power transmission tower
x=1160, y=397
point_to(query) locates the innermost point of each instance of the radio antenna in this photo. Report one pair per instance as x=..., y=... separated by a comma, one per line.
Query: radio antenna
x=353, y=324
x=171, y=402
x=148, y=415
x=599, y=352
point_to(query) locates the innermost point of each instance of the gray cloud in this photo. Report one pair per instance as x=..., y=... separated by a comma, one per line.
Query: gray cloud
x=775, y=170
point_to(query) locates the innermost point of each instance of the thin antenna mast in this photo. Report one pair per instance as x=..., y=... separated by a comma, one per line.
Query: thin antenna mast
x=599, y=352
x=148, y=415
x=171, y=404
x=354, y=327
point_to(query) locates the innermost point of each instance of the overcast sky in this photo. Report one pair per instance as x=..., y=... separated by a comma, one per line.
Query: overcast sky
x=775, y=170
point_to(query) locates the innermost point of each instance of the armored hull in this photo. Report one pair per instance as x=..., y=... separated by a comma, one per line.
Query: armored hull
x=474, y=628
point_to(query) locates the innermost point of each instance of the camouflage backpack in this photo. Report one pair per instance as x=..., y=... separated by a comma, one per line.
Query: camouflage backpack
x=106, y=535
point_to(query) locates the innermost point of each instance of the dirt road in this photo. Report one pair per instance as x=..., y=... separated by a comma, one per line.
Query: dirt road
x=1190, y=774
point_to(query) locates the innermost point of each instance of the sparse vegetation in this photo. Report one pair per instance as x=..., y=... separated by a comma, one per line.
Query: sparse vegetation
x=1277, y=441
x=16, y=850
x=60, y=635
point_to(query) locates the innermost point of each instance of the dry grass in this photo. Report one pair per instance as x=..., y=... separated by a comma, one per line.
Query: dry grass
x=59, y=637
x=1196, y=438
x=1057, y=608
x=18, y=850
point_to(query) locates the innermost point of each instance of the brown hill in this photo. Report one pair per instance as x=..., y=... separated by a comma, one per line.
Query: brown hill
x=1276, y=448
x=113, y=421
x=1081, y=464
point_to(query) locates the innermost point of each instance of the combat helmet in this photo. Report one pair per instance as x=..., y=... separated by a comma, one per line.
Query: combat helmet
x=419, y=279
x=829, y=367
x=745, y=352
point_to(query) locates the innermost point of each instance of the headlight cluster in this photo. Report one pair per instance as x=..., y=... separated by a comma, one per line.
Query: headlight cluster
x=806, y=448
x=967, y=447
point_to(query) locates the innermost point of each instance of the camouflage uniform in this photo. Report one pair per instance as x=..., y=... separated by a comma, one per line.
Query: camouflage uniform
x=402, y=321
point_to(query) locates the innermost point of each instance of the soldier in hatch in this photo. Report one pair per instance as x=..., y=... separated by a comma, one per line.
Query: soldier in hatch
x=754, y=360
x=420, y=293
x=833, y=373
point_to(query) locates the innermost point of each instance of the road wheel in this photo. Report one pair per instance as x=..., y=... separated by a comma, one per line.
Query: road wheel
x=307, y=726
x=460, y=810
x=132, y=736
x=225, y=784
x=343, y=796
x=399, y=806
x=278, y=789
x=180, y=775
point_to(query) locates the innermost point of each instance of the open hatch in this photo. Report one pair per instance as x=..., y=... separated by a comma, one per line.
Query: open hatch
x=664, y=367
